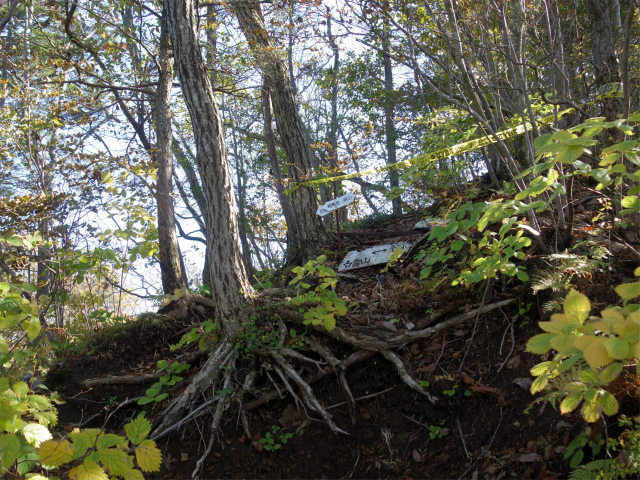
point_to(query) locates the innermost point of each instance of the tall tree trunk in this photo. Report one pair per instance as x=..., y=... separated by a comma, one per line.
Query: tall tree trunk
x=168, y=252
x=230, y=286
x=603, y=47
x=270, y=140
x=389, y=124
x=307, y=229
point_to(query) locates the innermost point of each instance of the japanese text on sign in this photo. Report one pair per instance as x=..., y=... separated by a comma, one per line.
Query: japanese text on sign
x=336, y=204
x=371, y=256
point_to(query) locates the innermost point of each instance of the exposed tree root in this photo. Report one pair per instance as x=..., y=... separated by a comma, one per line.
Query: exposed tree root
x=276, y=360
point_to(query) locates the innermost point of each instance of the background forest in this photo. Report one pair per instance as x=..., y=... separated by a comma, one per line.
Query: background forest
x=172, y=157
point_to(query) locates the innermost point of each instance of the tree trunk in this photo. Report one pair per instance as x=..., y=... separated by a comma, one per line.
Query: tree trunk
x=230, y=287
x=603, y=46
x=307, y=227
x=168, y=253
x=389, y=125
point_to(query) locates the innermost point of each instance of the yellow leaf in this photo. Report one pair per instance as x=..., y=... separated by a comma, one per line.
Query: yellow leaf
x=590, y=411
x=576, y=306
x=55, y=453
x=148, y=456
x=88, y=470
x=602, y=326
x=596, y=353
x=611, y=316
x=627, y=291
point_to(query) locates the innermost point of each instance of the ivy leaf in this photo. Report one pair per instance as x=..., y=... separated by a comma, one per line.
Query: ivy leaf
x=35, y=434
x=608, y=403
x=138, y=429
x=576, y=306
x=55, y=452
x=88, y=470
x=148, y=456
x=9, y=449
x=540, y=343
x=571, y=402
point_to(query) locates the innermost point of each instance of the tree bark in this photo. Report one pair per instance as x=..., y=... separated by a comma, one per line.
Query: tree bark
x=307, y=227
x=389, y=125
x=230, y=287
x=603, y=47
x=168, y=253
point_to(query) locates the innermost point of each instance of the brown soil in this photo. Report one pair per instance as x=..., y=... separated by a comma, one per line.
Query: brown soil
x=486, y=423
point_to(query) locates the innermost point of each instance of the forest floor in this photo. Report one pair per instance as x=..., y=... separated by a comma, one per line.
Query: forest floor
x=485, y=423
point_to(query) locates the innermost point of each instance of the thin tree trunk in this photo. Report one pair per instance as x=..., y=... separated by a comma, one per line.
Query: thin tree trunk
x=389, y=124
x=310, y=234
x=168, y=252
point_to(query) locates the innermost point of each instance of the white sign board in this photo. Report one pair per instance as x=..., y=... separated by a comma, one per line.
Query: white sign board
x=371, y=256
x=336, y=204
x=428, y=223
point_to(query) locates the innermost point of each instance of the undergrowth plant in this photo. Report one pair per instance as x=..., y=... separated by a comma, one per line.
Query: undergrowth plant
x=169, y=379
x=274, y=440
x=26, y=444
x=325, y=304
x=591, y=352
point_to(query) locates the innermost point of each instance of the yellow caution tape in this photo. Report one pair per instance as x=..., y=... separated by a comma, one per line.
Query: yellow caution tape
x=438, y=154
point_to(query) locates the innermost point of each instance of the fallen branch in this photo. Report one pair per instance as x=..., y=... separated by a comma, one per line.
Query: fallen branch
x=139, y=379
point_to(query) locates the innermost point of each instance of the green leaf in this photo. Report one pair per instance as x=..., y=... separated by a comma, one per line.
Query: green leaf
x=88, y=470
x=116, y=461
x=575, y=387
x=588, y=376
x=540, y=368
x=576, y=459
x=80, y=442
x=33, y=328
x=608, y=403
x=569, y=154
x=9, y=449
x=7, y=411
x=107, y=440
x=138, y=429
x=628, y=291
x=576, y=306
x=590, y=411
x=133, y=474
x=539, y=383
x=571, y=402
x=617, y=348
x=456, y=245
x=540, y=343
x=563, y=343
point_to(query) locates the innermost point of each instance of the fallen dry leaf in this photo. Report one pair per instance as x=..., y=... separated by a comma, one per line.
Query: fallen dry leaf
x=389, y=326
x=549, y=452
x=257, y=445
x=416, y=456
x=529, y=457
x=415, y=349
x=523, y=382
x=531, y=445
x=429, y=368
x=514, y=362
